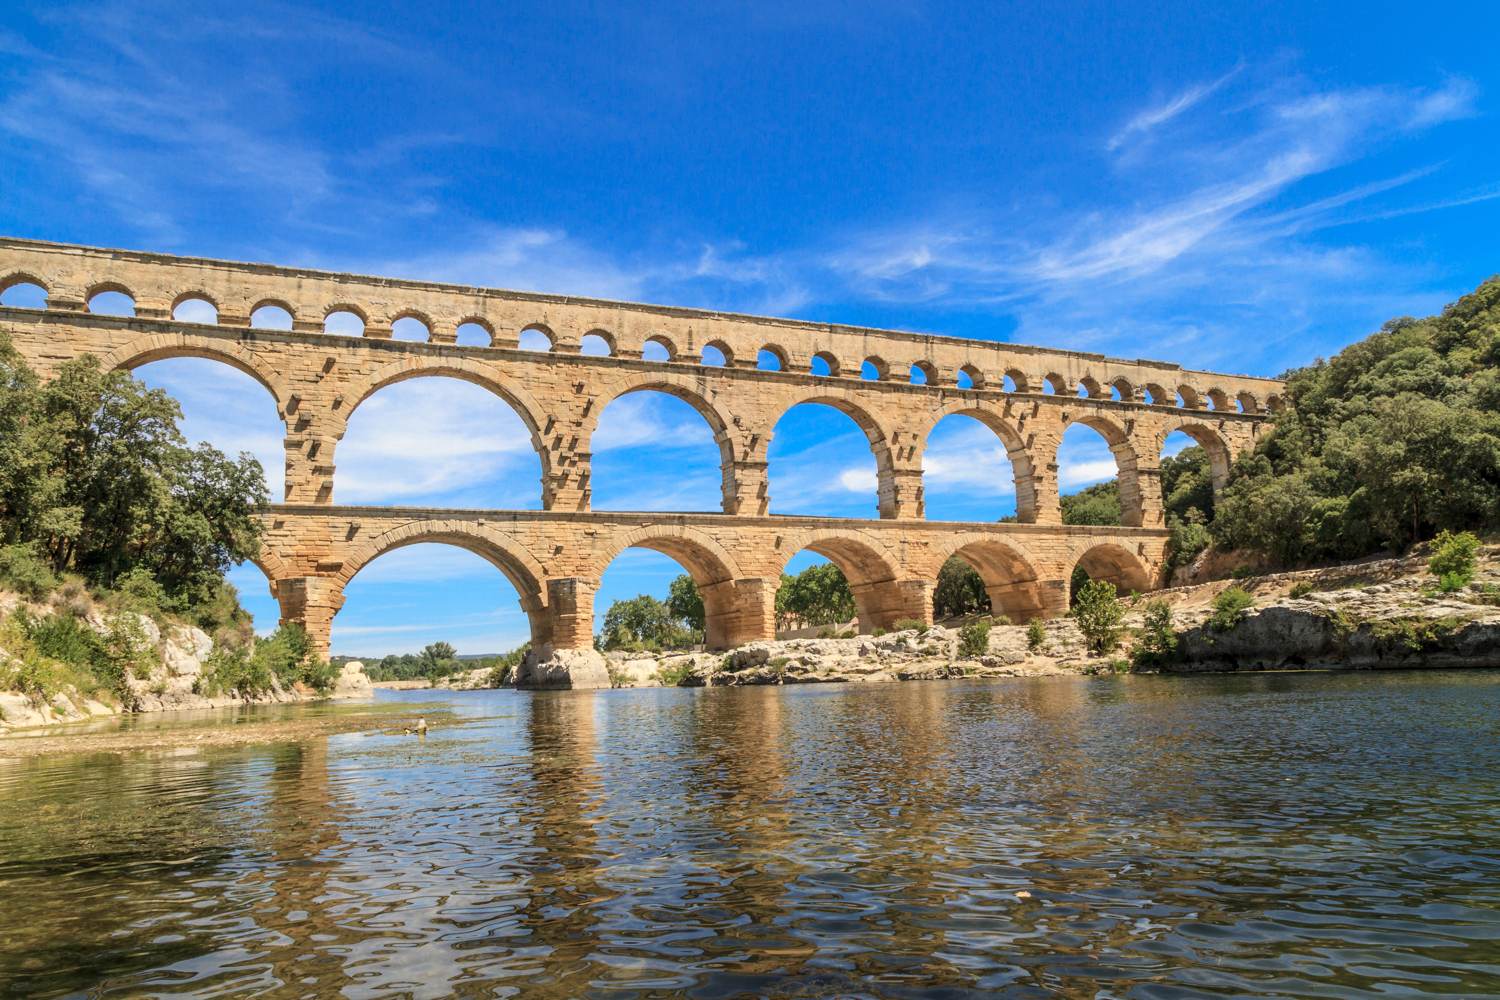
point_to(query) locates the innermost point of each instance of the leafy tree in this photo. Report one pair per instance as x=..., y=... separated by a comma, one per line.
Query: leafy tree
x=97, y=478
x=642, y=622
x=1391, y=441
x=1099, y=615
x=1156, y=640
x=1230, y=608
x=685, y=603
x=1453, y=559
x=960, y=590
x=1098, y=505
x=819, y=595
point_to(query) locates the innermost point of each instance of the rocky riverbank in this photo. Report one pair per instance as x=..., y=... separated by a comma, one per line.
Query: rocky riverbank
x=1380, y=613
x=170, y=672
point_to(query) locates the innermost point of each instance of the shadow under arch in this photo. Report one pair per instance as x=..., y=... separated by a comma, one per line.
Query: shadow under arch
x=688, y=390
x=727, y=620
x=871, y=569
x=875, y=434
x=1116, y=564
x=1212, y=443
x=1132, y=513
x=1015, y=450
x=512, y=559
x=1014, y=586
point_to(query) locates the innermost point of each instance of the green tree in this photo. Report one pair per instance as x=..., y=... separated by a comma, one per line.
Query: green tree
x=1156, y=640
x=1389, y=442
x=96, y=475
x=1099, y=615
x=1454, y=559
x=641, y=621
x=685, y=603
x=960, y=590
x=1097, y=505
x=819, y=595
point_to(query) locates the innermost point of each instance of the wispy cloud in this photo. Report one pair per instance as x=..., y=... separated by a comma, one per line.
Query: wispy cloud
x=1150, y=118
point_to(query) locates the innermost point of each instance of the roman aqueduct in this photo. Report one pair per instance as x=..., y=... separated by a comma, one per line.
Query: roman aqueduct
x=716, y=362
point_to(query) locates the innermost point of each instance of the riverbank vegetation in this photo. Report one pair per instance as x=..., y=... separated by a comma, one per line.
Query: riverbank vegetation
x=108, y=517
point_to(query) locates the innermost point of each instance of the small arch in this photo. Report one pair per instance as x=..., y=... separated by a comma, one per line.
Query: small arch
x=1274, y=403
x=111, y=299
x=597, y=344
x=1121, y=389
x=716, y=355
x=1188, y=398
x=658, y=348
x=344, y=320
x=923, y=373
x=824, y=365
x=874, y=369
x=1113, y=563
x=1218, y=400
x=969, y=377
x=1245, y=402
x=410, y=327
x=536, y=337
x=474, y=331
x=271, y=314
x=23, y=291
x=1053, y=384
x=195, y=307
x=1156, y=394
x=771, y=359
x=1014, y=380
x=1089, y=388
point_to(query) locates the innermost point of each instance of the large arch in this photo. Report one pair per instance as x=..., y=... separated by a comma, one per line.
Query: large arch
x=1015, y=450
x=875, y=434
x=1207, y=438
x=684, y=388
x=165, y=346
x=510, y=557
x=1113, y=562
x=872, y=569
x=1132, y=512
x=1015, y=588
x=729, y=620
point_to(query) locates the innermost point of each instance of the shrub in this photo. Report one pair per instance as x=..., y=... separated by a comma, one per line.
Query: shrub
x=25, y=570
x=138, y=591
x=680, y=675
x=1000, y=620
x=1099, y=615
x=1036, y=634
x=974, y=639
x=1241, y=573
x=908, y=624
x=1302, y=588
x=1156, y=640
x=1230, y=608
x=1453, y=558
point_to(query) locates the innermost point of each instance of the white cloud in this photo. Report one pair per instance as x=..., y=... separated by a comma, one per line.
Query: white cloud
x=1149, y=119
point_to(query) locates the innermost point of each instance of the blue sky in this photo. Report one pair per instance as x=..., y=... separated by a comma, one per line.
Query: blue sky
x=1242, y=188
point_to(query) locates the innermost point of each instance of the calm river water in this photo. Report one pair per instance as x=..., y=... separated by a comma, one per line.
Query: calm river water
x=1322, y=835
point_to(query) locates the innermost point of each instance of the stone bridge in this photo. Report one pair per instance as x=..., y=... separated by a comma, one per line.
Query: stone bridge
x=741, y=373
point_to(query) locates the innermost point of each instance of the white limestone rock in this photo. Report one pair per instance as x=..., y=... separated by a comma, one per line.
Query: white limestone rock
x=579, y=669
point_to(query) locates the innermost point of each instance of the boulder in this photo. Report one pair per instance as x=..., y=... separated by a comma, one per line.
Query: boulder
x=352, y=682
x=547, y=667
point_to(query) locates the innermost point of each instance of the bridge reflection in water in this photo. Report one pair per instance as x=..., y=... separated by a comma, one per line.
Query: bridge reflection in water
x=857, y=839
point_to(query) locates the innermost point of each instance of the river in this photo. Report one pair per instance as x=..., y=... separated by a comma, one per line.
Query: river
x=1320, y=835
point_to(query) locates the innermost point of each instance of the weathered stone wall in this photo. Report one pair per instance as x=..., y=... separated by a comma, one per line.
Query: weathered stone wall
x=319, y=379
